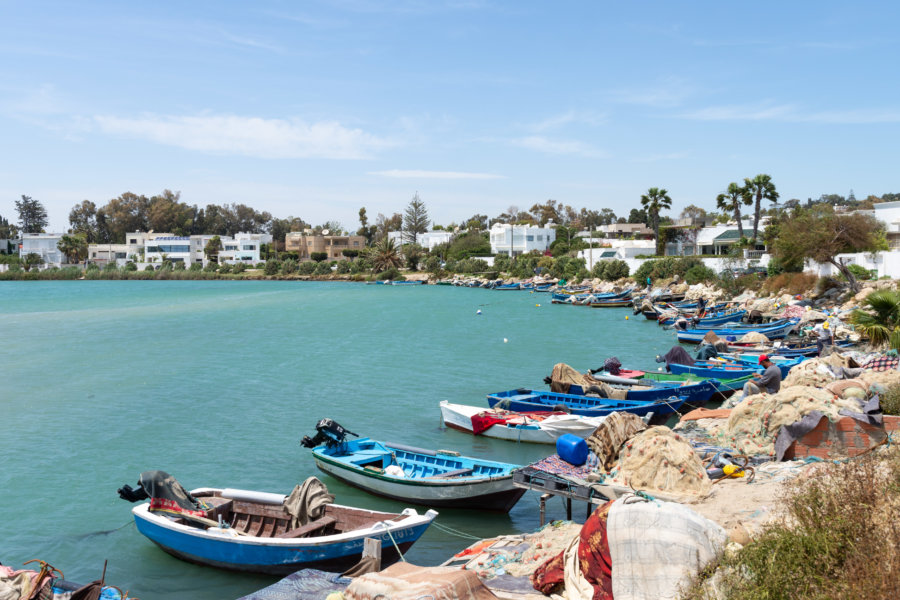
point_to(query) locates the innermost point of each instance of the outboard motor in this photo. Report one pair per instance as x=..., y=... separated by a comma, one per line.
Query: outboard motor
x=328, y=432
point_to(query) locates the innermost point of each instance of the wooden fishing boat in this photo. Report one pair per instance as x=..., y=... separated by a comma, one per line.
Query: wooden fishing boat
x=694, y=336
x=737, y=325
x=544, y=288
x=696, y=392
x=508, y=286
x=525, y=400
x=251, y=531
x=728, y=370
x=712, y=317
x=611, y=303
x=420, y=476
x=411, y=282
x=721, y=385
x=539, y=427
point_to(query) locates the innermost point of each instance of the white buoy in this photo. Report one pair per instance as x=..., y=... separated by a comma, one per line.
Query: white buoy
x=659, y=368
x=478, y=312
x=505, y=340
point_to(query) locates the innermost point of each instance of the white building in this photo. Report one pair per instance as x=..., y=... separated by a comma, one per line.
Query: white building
x=615, y=249
x=889, y=214
x=44, y=245
x=104, y=253
x=427, y=240
x=243, y=247
x=514, y=240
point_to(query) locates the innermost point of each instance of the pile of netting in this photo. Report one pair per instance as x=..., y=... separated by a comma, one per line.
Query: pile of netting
x=754, y=423
x=754, y=337
x=661, y=460
x=818, y=372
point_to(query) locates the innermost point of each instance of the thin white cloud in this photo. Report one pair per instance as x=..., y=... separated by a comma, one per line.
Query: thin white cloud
x=413, y=174
x=567, y=118
x=667, y=93
x=790, y=113
x=548, y=146
x=248, y=136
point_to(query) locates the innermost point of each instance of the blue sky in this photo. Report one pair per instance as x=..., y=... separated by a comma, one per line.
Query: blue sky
x=315, y=109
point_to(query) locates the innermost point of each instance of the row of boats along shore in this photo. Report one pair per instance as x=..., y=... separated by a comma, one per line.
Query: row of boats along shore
x=253, y=531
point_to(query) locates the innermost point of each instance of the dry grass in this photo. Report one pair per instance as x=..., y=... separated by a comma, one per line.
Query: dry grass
x=839, y=538
x=791, y=283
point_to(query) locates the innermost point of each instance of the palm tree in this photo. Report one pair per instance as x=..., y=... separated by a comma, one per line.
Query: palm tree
x=880, y=318
x=730, y=202
x=653, y=201
x=385, y=255
x=760, y=187
x=73, y=246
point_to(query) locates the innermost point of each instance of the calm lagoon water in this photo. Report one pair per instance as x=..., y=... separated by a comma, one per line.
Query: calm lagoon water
x=217, y=382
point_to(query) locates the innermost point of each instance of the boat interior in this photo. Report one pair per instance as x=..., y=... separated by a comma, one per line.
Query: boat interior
x=416, y=464
x=273, y=521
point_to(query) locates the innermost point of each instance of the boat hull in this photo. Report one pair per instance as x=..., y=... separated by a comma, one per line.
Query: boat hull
x=459, y=417
x=272, y=555
x=532, y=401
x=494, y=494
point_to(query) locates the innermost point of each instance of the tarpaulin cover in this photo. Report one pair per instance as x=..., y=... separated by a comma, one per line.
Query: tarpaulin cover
x=403, y=581
x=168, y=496
x=656, y=547
x=306, y=584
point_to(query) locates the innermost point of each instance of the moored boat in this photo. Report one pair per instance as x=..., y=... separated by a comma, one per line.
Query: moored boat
x=244, y=530
x=439, y=478
x=537, y=427
x=525, y=400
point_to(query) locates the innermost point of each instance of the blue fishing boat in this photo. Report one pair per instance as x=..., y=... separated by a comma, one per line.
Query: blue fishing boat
x=415, y=475
x=718, y=370
x=525, y=400
x=736, y=324
x=245, y=530
x=694, y=392
x=715, y=318
x=694, y=336
x=543, y=288
x=508, y=286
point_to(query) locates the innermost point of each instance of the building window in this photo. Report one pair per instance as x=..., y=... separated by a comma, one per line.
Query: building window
x=529, y=238
x=540, y=237
x=356, y=243
x=132, y=241
x=120, y=255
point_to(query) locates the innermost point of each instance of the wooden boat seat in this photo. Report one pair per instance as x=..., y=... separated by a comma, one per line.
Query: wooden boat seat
x=456, y=473
x=310, y=527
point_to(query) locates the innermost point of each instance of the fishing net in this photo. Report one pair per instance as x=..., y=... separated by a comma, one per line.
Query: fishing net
x=657, y=459
x=754, y=423
x=818, y=372
x=754, y=337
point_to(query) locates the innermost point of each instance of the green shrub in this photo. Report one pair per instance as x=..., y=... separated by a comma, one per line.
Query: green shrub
x=890, y=400
x=130, y=266
x=195, y=267
x=599, y=270
x=699, y=274
x=147, y=268
x=861, y=272
x=306, y=268
x=238, y=267
x=289, y=267
x=322, y=268
x=392, y=274
x=225, y=268
x=343, y=267
x=180, y=266
x=318, y=256
x=211, y=267
x=615, y=269
x=836, y=538
x=272, y=267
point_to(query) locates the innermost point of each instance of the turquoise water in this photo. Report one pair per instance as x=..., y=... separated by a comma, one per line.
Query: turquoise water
x=216, y=383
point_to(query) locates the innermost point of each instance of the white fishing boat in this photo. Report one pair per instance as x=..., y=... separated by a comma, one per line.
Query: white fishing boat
x=537, y=428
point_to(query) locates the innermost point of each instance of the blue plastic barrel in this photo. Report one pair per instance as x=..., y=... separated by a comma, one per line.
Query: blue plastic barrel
x=572, y=449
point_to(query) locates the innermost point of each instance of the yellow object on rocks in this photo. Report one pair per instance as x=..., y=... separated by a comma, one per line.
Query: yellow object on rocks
x=658, y=459
x=733, y=471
